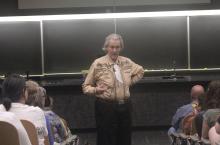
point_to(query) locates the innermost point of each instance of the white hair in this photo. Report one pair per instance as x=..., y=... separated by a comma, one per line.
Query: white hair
x=113, y=36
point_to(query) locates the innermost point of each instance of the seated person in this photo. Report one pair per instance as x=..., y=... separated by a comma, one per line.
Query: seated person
x=33, y=90
x=183, y=111
x=12, y=119
x=217, y=125
x=58, y=126
x=191, y=124
x=211, y=115
x=214, y=133
x=199, y=117
x=37, y=97
x=14, y=96
x=214, y=137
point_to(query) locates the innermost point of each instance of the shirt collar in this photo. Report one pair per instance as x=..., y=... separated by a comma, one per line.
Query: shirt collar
x=111, y=62
x=18, y=104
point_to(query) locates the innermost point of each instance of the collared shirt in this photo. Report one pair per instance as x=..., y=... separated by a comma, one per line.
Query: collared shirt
x=181, y=113
x=102, y=72
x=32, y=114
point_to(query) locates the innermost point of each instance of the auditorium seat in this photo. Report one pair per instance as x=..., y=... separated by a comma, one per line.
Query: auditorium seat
x=31, y=131
x=8, y=134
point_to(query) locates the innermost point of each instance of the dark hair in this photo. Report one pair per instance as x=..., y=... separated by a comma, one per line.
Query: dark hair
x=48, y=102
x=218, y=120
x=12, y=89
x=213, y=95
x=202, y=101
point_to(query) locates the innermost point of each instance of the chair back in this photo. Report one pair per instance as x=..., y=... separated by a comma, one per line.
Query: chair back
x=31, y=131
x=8, y=134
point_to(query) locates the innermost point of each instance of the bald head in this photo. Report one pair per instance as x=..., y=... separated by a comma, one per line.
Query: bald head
x=196, y=91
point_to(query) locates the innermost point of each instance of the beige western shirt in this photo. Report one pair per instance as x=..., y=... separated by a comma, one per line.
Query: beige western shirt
x=102, y=72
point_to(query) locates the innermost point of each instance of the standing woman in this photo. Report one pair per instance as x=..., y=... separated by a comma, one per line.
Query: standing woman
x=109, y=79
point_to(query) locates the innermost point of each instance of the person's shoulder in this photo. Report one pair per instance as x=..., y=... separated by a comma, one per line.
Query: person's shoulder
x=123, y=58
x=49, y=113
x=37, y=109
x=7, y=116
x=2, y=108
x=100, y=60
x=33, y=109
x=212, y=111
x=186, y=106
x=10, y=118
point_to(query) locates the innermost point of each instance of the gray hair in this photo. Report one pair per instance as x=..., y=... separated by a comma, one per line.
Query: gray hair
x=36, y=94
x=113, y=36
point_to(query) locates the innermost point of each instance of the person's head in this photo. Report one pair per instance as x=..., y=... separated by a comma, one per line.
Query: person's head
x=36, y=94
x=113, y=45
x=13, y=90
x=196, y=91
x=213, y=94
x=41, y=96
x=32, y=88
x=201, y=102
x=48, y=103
x=213, y=136
x=217, y=126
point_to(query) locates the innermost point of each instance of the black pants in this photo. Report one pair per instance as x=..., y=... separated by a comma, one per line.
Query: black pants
x=113, y=122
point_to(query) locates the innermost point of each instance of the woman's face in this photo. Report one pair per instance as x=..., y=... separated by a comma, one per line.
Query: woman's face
x=114, y=48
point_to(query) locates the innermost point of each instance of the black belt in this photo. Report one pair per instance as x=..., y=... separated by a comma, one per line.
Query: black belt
x=119, y=102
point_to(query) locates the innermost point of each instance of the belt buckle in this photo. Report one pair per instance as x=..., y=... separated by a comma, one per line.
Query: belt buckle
x=120, y=102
